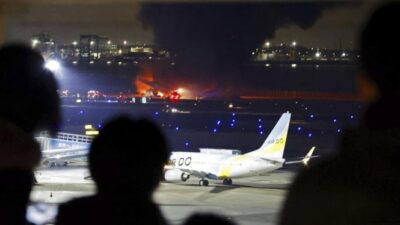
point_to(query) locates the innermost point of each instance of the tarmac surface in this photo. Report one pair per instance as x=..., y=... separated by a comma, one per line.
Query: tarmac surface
x=255, y=200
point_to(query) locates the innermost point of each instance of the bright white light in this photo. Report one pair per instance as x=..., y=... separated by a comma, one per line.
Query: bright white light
x=318, y=54
x=35, y=42
x=109, y=42
x=125, y=42
x=267, y=44
x=294, y=65
x=75, y=43
x=92, y=43
x=294, y=43
x=53, y=65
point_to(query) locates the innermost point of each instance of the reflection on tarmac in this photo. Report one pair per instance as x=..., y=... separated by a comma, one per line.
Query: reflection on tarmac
x=254, y=200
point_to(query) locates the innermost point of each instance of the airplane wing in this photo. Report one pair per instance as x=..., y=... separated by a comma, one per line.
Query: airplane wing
x=63, y=150
x=306, y=158
x=200, y=174
x=65, y=153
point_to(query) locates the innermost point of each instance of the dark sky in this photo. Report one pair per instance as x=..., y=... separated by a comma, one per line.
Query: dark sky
x=120, y=20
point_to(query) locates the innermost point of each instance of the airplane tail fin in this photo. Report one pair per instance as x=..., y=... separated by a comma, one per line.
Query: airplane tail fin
x=274, y=145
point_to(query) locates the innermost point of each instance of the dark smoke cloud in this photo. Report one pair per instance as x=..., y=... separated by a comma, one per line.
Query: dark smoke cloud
x=213, y=41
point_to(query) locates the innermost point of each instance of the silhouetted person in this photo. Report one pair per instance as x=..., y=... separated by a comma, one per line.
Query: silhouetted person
x=126, y=161
x=207, y=219
x=28, y=103
x=361, y=185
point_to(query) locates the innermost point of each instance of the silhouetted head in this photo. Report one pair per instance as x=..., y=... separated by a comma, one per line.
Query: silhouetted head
x=209, y=219
x=380, y=49
x=128, y=156
x=28, y=91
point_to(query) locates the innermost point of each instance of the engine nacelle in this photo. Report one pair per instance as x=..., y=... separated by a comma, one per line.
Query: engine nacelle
x=175, y=175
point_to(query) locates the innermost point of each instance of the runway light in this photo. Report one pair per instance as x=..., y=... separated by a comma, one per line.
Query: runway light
x=53, y=65
x=233, y=114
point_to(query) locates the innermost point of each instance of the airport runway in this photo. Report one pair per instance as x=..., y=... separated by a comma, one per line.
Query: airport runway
x=254, y=200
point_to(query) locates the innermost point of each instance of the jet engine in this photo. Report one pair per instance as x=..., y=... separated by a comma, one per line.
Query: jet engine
x=175, y=175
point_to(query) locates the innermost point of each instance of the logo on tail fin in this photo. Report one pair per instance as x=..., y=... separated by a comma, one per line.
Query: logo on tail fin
x=274, y=145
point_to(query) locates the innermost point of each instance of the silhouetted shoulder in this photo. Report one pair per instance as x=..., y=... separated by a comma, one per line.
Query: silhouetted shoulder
x=359, y=186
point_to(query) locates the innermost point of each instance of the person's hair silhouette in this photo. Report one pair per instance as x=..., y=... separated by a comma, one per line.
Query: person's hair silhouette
x=126, y=161
x=361, y=185
x=29, y=103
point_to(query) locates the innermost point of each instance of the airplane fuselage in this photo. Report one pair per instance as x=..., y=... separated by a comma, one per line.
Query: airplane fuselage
x=222, y=166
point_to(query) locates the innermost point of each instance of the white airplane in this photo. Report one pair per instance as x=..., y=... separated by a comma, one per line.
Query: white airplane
x=63, y=157
x=63, y=149
x=217, y=164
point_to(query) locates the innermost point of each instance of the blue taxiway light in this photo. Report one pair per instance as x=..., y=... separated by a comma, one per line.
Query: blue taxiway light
x=232, y=125
x=312, y=116
x=309, y=134
x=218, y=122
x=215, y=130
x=259, y=126
x=81, y=112
x=177, y=128
x=259, y=120
x=334, y=120
x=339, y=130
x=298, y=128
x=233, y=114
x=261, y=132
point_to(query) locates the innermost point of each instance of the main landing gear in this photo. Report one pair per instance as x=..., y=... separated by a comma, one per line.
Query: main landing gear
x=227, y=181
x=203, y=182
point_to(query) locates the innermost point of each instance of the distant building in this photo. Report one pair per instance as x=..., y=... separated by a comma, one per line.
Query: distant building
x=45, y=44
x=95, y=47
